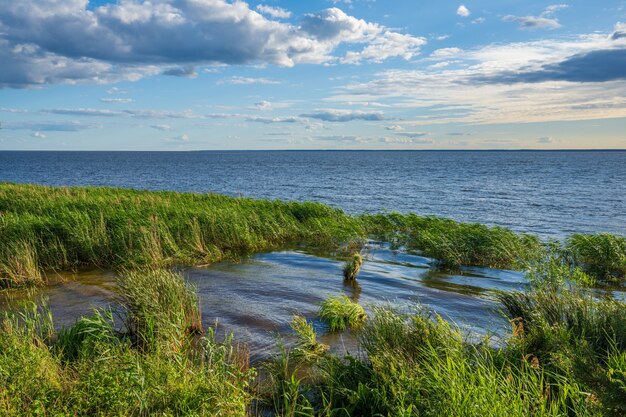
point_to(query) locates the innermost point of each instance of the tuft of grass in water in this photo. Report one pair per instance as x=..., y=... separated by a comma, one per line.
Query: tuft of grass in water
x=340, y=313
x=161, y=309
x=352, y=267
x=307, y=347
x=602, y=255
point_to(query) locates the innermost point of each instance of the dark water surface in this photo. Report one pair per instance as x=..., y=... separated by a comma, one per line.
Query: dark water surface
x=548, y=193
x=256, y=298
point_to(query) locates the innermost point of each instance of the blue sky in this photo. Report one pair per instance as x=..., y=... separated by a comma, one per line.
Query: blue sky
x=277, y=74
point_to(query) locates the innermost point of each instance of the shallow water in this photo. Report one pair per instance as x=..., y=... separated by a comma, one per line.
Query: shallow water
x=256, y=298
x=551, y=194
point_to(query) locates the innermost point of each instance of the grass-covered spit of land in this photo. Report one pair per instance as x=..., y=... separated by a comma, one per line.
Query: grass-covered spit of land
x=58, y=228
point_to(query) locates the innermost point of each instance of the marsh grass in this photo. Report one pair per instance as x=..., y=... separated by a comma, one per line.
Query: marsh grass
x=160, y=308
x=602, y=255
x=352, y=267
x=47, y=228
x=307, y=347
x=341, y=313
x=454, y=244
x=92, y=368
x=573, y=335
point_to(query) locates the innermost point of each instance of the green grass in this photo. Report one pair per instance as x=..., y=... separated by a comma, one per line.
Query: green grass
x=93, y=369
x=59, y=228
x=341, y=313
x=44, y=228
x=352, y=267
x=602, y=255
x=160, y=309
x=565, y=356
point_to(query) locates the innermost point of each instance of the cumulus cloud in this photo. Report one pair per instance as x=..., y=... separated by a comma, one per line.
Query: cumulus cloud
x=332, y=27
x=51, y=41
x=276, y=12
x=544, y=139
x=38, y=135
x=341, y=115
x=463, y=11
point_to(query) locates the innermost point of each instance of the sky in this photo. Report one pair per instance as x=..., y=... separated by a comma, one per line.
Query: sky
x=320, y=74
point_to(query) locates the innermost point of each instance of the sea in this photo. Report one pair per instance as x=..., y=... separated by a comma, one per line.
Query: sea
x=548, y=193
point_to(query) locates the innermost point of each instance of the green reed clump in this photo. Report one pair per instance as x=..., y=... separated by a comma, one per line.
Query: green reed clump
x=161, y=309
x=602, y=255
x=572, y=335
x=93, y=369
x=341, y=313
x=352, y=267
x=454, y=244
x=307, y=347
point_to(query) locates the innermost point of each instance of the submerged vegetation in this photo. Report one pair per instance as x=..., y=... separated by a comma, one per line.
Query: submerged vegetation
x=352, y=267
x=341, y=313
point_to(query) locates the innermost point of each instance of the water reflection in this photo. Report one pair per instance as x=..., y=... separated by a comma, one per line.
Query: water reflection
x=256, y=297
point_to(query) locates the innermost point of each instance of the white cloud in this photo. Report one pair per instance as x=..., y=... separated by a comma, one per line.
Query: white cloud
x=263, y=105
x=182, y=138
x=237, y=80
x=162, y=127
x=463, y=11
x=276, y=12
x=533, y=22
x=445, y=53
x=38, y=135
x=545, y=20
x=488, y=84
x=52, y=41
x=116, y=100
x=332, y=27
x=479, y=20
x=544, y=139
x=341, y=115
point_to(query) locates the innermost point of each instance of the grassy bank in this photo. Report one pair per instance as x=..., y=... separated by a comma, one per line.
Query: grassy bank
x=565, y=356
x=43, y=228
x=58, y=228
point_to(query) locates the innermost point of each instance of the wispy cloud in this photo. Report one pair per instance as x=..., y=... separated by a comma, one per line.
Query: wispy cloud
x=276, y=12
x=239, y=80
x=341, y=115
x=545, y=20
x=116, y=100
